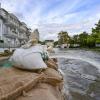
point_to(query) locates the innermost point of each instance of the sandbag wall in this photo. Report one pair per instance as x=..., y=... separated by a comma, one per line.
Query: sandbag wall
x=16, y=84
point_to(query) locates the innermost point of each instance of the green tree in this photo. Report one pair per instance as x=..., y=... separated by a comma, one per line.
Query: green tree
x=55, y=43
x=96, y=32
x=63, y=38
x=83, y=39
x=41, y=42
x=76, y=39
x=71, y=40
x=90, y=41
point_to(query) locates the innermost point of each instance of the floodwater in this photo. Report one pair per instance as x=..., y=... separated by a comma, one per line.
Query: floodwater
x=81, y=70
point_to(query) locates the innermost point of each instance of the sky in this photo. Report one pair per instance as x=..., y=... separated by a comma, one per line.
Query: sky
x=53, y=16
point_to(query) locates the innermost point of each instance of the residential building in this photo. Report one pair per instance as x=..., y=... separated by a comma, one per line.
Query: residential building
x=13, y=33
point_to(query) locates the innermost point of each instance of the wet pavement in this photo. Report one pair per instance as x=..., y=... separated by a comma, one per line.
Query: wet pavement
x=81, y=73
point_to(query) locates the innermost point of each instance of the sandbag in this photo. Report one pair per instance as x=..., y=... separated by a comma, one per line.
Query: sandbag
x=50, y=49
x=43, y=92
x=54, y=59
x=52, y=77
x=29, y=58
x=51, y=64
x=14, y=81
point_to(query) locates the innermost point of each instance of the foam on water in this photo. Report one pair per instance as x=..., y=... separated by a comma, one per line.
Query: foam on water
x=75, y=83
x=85, y=59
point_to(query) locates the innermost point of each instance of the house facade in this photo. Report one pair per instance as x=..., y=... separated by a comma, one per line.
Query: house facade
x=13, y=33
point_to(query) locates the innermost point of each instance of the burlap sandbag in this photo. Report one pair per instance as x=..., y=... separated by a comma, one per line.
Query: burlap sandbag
x=43, y=92
x=54, y=59
x=52, y=77
x=13, y=82
x=51, y=64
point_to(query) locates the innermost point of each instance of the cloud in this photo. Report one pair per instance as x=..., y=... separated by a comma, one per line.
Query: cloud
x=52, y=16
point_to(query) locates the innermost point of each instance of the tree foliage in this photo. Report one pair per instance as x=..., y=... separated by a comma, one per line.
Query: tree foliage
x=83, y=39
x=63, y=37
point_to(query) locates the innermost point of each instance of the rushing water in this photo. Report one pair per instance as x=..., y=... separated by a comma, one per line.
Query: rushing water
x=81, y=73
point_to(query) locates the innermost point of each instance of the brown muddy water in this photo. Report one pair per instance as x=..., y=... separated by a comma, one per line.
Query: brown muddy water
x=81, y=70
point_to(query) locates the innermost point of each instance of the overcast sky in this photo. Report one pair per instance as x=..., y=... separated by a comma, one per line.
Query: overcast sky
x=52, y=16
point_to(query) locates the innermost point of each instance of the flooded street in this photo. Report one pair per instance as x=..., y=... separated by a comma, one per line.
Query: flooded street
x=81, y=73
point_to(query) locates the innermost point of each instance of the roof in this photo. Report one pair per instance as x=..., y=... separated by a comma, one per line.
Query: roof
x=13, y=16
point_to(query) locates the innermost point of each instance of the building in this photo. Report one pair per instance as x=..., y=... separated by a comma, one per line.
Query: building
x=13, y=33
x=35, y=34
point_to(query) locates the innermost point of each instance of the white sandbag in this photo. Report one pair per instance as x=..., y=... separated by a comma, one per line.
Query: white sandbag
x=29, y=58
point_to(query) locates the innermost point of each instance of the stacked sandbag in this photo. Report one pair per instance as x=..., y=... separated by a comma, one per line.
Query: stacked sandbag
x=51, y=63
x=43, y=91
x=49, y=87
x=14, y=81
x=29, y=58
x=17, y=84
x=52, y=77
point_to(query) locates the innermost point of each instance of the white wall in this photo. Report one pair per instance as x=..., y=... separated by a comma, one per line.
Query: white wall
x=1, y=28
